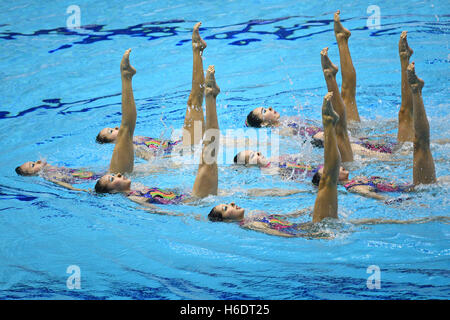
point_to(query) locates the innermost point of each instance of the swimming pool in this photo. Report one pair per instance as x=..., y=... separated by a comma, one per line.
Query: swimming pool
x=60, y=87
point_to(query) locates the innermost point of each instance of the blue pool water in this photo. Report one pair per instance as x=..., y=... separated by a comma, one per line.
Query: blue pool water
x=60, y=87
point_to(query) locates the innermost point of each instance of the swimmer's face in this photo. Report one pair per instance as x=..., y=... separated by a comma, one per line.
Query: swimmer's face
x=252, y=158
x=268, y=116
x=230, y=211
x=115, y=183
x=108, y=135
x=343, y=174
x=32, y=167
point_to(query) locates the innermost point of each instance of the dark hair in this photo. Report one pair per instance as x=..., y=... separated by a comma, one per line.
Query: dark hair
x=238, y=161
x=317, y=142
x=253, y=120
x=215, y=215
x=101, y=187
x=102, y=139
x=316, y=178
x=20, y=172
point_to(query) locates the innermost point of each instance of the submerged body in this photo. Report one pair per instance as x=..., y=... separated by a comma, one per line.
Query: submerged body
x=68, y=175
x=277, y=225
x=157, y=196
x=378, y=184
x=148, y=147
x=288, y=167
x=62, y=176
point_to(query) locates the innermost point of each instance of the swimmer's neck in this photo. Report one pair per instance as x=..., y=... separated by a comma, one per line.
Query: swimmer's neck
x=252, y=214
x=47, y=166
x=275, y=124
x=128, y=192
x=271, y=124
x=131, y=190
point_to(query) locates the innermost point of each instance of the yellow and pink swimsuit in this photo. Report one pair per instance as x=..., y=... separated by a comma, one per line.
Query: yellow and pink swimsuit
x=378, y=184
x=69, y=175
x=159, y=196
x=156, y=145
x=280, y=224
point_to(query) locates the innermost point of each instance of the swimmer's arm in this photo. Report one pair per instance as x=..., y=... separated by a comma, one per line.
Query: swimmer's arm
x=156, y=210
x=140, y=169
x=68, y=186
x=365, y=191
x=262, y=227
x=372, y=154
x=191, y=200
x=443, y=179
x=275, y=192
x=146, y=154
x=142, y=153
x=297, y=213
x=151, y=208
x=145, y=168
x=286, y=131
x=382, y=135
x=441, y=141
x=442, y=219
x=257, y=192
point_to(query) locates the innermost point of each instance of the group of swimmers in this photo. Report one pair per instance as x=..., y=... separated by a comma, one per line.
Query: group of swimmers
x=338, y=107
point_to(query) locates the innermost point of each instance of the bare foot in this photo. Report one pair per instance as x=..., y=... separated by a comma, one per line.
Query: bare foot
x=197, y=41
x=415, y=82
x=126, y=70
x=339, y=30
x=404, y=50
x=329, y=69
x=211, y=87
x=328, y=113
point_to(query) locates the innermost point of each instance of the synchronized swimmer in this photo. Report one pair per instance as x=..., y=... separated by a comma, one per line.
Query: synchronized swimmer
x=339, y=106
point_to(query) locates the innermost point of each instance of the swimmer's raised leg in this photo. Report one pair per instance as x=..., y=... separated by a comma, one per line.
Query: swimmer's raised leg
x=326, y=203
x=206, y=182
x=122, y=160
x=329, y=72
x=405, y=115
x=194, y=113
x=423, y=164
x=348, y=88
